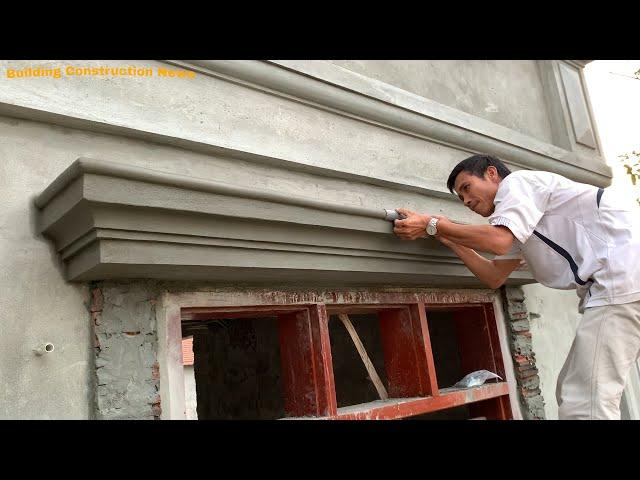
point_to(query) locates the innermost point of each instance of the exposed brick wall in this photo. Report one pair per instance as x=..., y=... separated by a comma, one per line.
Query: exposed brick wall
x=517, y=319
x=127, y=371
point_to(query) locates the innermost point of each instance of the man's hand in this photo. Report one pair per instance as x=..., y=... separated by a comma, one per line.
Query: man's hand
x=413, y=226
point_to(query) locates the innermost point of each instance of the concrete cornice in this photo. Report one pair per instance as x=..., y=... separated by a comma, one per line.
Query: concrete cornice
x=121, y=170
x=111, y=220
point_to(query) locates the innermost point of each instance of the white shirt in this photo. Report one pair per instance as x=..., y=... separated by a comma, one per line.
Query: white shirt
x=572, y=235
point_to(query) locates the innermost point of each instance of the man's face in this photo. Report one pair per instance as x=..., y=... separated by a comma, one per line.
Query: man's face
x=478, y=193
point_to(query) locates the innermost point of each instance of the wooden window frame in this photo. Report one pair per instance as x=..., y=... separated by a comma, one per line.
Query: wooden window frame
x=305, y=347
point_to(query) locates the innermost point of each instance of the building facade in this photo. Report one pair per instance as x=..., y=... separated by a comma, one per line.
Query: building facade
x=242, y=203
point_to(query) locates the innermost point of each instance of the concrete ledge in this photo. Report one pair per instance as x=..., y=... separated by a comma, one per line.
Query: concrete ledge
x=110, y=220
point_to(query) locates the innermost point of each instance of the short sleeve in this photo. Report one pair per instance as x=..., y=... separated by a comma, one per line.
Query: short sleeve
x=520, y=203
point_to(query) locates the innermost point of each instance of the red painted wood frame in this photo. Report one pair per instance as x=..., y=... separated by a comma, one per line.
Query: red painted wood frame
x=479, y=349
x=307, y=370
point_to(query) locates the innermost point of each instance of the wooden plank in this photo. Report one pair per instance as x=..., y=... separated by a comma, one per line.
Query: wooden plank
x=479, y=348
x=498, y=408
x=493, y=409
x=307, y=373
x=407, y=352
x=419, y=316
x=450, y=307
x=363, y=309
x=494, y=338
x=373, y=375
x=252, y=296
x=201, y=314
x=395, y=408
x=323, y=363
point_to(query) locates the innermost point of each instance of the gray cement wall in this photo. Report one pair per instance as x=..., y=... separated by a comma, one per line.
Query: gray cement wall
x=37, y=305
x=507, y=93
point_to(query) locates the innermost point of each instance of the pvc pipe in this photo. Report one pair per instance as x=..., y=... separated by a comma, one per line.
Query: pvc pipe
x=391, y=215
x=47, y=347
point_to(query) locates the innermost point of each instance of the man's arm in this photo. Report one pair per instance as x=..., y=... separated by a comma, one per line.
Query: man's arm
x=486, y=238
x=495, y=239
x=491, y=272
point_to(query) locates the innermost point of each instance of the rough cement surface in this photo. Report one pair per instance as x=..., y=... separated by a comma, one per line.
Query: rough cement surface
x=524, y=357
x=127, y=372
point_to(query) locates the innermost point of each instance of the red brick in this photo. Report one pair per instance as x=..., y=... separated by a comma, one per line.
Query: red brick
x=97, y=301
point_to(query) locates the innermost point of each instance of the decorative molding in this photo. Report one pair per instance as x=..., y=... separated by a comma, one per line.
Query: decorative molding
x=577, y=104
x=216, y=150
x=113, y=221
x=332, y=88
x=556, y=103
x=568, y=104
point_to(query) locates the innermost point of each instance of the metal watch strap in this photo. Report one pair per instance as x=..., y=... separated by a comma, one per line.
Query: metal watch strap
x=433, y=222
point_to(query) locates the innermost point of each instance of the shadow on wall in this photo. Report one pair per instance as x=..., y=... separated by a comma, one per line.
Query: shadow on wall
x=56, y=259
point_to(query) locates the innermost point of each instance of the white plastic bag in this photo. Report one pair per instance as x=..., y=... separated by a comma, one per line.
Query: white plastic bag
x=476, y=378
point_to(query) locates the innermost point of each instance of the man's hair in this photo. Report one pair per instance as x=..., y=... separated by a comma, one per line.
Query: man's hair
x=477, y=165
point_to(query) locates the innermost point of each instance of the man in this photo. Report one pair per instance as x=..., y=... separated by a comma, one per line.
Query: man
x=572, y=236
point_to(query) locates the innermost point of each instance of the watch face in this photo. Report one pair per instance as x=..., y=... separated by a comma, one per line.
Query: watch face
x=431, y=230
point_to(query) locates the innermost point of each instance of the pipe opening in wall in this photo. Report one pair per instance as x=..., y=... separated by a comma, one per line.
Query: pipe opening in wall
x=44, y=348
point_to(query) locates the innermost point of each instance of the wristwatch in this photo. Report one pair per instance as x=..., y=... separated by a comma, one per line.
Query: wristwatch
x=432, y=229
